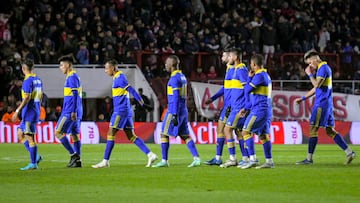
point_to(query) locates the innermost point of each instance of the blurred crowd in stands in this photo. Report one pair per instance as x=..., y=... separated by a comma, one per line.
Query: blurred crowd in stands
x=94, y=30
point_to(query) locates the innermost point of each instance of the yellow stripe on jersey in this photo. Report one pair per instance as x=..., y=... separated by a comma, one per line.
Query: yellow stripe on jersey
x=262, y=90
x=175, y=72
x=320, y=64
x=327, y=82
x=240, y=65
x=23, y=94
x=233, y=84
x=182, y=90
x=119, y=92
x=68, y=91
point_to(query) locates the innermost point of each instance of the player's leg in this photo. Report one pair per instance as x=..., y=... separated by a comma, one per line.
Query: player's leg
x=62, y=127
x=316, y=120
x=110, y=143
x=251, y=124
x=220, y=140
x=243, y=150
x=228, y=131
x=183, y=132
x=266, y=142
x=313, y=140
x=130, y=134
x=29, y=132
x=192, y=148
x=116, y=123
x=339, y=140
x=75, y=134
x=22, y=139
x=167, y=129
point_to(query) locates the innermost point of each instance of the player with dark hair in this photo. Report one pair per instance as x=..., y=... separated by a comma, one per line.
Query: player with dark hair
x=220, y=140
x=258, y=93
x=121, y=118
x=32, y=91
x=175, y=122
x=72, y=112
x=238, y=76
x=320, y=75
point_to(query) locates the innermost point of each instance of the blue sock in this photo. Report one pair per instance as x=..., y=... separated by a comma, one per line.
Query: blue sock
x=250, y=146
x=244, y=151
x=65, y=142
x=142, y=146
x=192, y=148
x=267, y=149
x=220, y=141
x=165, y=150
x=312, y=144
x=33, y=153
x=109, y=147
x=339, y=140
x=26, y=144
x=77, y=147
x=231, y=146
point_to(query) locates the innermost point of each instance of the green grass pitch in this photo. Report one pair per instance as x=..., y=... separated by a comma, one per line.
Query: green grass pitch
x=127, y=180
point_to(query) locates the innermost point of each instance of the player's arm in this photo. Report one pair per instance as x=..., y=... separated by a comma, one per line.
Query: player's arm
x=306, y=96
x=75, y=85
x=218, y=94
x=25, y=100
x=135, y=94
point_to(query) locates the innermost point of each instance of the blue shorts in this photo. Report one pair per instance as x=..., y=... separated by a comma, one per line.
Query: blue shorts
x=68, y=126
x=234, y=121
x=223, y=116
x=169, y=129
x=322, y=117
x=258, y=123
x=121, y=120
x=28, y=127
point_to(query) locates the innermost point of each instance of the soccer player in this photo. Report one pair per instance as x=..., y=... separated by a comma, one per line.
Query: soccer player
x=31, y=92
x=176, y=119
x=72, y=111
x=220, y=140
x=322, y=112
x=238, y=76
x=121, y=119
x=258, y=90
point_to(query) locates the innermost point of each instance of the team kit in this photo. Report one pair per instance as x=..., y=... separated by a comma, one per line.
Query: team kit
x=247, y=112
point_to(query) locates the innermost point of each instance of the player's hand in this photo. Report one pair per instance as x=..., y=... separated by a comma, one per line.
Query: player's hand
x=298, y=100
x=227, y=112
x=15, y=116
x=308, y=70
x=174, y=120
x=73, y=116
x=251, y=73
x=207, y=102
x=242, y=113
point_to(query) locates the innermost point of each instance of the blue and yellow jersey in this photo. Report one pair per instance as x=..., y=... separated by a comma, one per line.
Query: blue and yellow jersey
x=323, y=94
x=176, y=92
x=120, y=94
x=72, y=95
x=234, y=85
x=228, y=75
x=32, y=86
x=260, y=97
